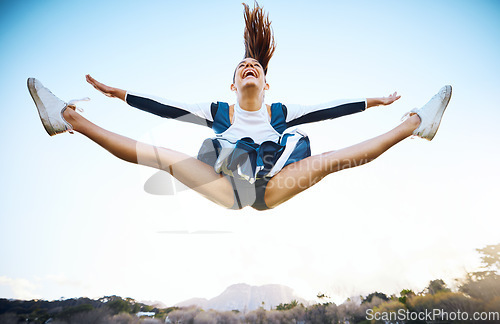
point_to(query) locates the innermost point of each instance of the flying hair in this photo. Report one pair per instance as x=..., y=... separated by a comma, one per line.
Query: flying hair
x=258, y=35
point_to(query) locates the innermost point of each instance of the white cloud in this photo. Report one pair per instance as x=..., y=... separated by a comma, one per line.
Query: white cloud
x=18, y=287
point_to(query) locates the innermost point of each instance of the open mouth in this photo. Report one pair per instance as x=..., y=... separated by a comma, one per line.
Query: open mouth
x=249, y=73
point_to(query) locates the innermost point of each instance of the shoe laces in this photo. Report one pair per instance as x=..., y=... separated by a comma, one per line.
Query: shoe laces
x=74, y=101
x=73, y=104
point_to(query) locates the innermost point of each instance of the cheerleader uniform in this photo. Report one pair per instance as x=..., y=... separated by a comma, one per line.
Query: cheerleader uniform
x=254, y=147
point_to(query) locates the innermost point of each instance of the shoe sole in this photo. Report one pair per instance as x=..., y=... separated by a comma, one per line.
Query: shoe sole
x=42, y=111
x=440, y=113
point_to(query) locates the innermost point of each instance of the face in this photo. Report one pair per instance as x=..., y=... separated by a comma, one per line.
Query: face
x=249, y=74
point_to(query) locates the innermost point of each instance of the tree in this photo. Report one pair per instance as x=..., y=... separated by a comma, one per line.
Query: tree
x=119, y=306
x=490, y=259
x=369, y=298
x=444, y=300
x=71, y=311
x=405, y=294
x=283, y=307
x=485, y=289
x=436, y=286
x=484, y=284
x=392, y=306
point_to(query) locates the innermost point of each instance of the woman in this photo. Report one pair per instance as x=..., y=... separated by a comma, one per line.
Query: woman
x=254, y=160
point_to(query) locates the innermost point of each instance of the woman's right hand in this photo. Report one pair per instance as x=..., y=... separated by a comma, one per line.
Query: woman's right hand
x=106, y=90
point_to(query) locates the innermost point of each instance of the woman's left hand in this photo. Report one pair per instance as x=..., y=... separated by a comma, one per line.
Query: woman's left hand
x=382, y=101
x=390, y=99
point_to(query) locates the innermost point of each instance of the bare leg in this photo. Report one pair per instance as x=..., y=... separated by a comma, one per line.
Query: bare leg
x=191, y=172
x=301, y=175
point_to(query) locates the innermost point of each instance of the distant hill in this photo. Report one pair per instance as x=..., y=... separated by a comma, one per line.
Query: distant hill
x=244, y=297
x=154, y=303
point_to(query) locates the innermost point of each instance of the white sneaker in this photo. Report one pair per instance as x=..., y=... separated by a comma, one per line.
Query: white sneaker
x=431, y=113
x=50, y=108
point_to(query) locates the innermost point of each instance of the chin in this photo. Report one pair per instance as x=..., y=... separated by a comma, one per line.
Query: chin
x=253, y=83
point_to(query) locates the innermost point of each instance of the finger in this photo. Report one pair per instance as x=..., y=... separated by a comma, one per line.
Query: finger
x=90, y=80
x=96, y=83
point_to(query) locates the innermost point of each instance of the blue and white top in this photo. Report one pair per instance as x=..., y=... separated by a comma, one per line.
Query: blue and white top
x=255, y=144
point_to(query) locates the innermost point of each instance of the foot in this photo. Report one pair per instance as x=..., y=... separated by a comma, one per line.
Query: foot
x=431, y=114
x=50, y=108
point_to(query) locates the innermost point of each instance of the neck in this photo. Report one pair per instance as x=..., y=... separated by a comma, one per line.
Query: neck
x=250, y=103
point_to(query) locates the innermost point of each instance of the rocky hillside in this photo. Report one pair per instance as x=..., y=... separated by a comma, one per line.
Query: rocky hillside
x=244, y=298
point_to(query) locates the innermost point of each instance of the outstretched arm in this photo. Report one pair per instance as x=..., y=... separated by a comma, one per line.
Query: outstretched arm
x=298, y=114
x=106, y=90
x=201, y=114
x=382, y=101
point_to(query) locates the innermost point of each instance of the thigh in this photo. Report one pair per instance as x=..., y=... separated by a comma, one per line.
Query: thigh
x=192, y=172
x=295, y=178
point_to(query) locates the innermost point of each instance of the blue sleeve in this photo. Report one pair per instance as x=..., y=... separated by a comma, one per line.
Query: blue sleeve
x=298, y=114
x=201, y=114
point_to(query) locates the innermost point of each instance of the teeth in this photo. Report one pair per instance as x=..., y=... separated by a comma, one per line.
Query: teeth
x=249, y=72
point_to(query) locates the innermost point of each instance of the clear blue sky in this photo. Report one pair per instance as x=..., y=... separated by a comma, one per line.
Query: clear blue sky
x=75, y=221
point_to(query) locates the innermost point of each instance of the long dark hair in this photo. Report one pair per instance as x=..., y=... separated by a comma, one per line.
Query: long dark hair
x=258, y=35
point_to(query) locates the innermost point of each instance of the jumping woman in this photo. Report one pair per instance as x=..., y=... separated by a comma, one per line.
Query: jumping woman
x=256, y=158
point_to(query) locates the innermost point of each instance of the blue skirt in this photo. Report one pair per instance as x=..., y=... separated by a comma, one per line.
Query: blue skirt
x=244, y=159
